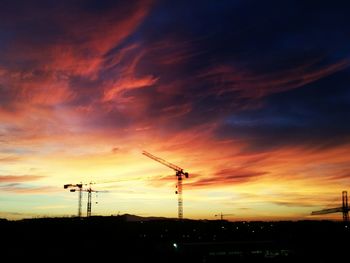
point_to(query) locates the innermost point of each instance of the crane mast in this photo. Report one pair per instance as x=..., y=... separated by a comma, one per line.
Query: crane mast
x=344, y=209
x=73, y=189
x=222, y=215
x=179, y=195
x=179, y=174
x=88, y=212
x=89, y=190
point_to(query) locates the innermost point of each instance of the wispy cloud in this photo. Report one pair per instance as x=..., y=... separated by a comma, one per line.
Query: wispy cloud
x=19, y=178
x=19, y=188
x=257, y=85
x=226, y=177
x=10, y=159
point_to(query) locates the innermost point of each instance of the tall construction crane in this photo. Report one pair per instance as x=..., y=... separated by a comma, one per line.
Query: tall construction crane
x=343, y=209
x=89, y=190
x=179, y=174
x=222, y=215
x=73, y=188
x=80, y=188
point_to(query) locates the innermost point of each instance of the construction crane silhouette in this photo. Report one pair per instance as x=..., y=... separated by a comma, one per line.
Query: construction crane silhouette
x=74, y=187
x=179, y=173
x=343, y=209
x=222, y=215
x=89, y=190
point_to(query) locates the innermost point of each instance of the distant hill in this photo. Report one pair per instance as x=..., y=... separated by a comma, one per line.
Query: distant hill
x=135, y=218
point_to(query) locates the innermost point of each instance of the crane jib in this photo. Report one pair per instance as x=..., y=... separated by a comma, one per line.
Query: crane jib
x=179, y=173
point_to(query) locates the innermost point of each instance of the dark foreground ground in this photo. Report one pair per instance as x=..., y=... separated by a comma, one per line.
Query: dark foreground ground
x=115, y=239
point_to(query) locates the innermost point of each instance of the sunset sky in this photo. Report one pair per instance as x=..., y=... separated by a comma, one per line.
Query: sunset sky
x=251, y=98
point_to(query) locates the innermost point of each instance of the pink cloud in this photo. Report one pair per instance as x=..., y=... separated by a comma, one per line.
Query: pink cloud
x=78, y=49
x=257, y=85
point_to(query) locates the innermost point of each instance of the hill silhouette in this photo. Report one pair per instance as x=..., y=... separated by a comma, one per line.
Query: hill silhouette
x=154, y=239
x=136, y=218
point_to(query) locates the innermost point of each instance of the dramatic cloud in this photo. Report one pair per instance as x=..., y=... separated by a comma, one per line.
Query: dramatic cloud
x=46, y=51
x=296, y=118
x=227, y=177
x=249, y=97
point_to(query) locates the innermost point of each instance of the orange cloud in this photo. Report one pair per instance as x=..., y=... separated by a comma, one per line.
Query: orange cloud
x=127, y=82
x=9, y=159
x=19, y=178
x=227, y=177
x=23, y=189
